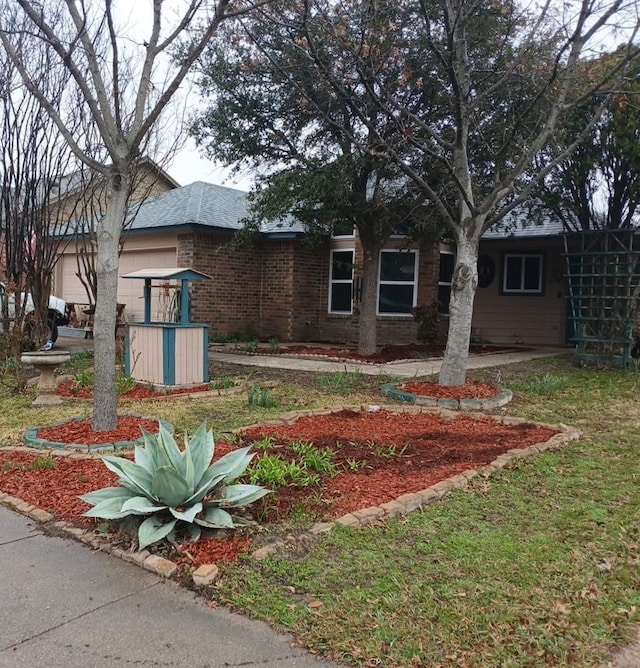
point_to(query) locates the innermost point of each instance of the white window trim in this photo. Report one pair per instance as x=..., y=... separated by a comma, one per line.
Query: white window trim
x=414, y=283
x=522, y=291
x=340, y=280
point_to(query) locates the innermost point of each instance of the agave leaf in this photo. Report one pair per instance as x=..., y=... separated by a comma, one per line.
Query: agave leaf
x=207, y=485
x=142, y=458
x=202, y=449
x=109, y=509
x=186, y=467
x=141, y=505
x=132, y=475
x=152, y=530
x=215, y=518
x=187, y=515
x=170, y=487
x=169, y=447
x=156, y=456
x=236, y=462
x=241, y=495
x=106, y=493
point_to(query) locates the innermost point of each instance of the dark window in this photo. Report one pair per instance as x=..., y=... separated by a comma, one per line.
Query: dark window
x=447, y=265
x=343, y=228
x=522, y=273
x=397, y=283
x=341, y=282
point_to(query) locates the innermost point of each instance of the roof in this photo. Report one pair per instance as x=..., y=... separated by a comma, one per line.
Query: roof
x=521, y=224
x=168, y=274
x=203, y=204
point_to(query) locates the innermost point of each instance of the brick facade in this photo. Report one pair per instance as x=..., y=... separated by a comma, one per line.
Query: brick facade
x=279, y=289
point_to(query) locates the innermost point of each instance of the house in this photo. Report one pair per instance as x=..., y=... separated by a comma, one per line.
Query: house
x=281, y=286
x=286, y=288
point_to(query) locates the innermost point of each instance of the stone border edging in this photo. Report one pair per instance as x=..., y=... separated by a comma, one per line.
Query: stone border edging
x=219, y=392
x=490, y=403
x=32, y=440
x=406, y=503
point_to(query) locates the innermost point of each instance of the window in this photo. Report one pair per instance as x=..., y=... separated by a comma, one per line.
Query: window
x=447, y=265
x=397, y=282
x=341, y=282
x=522, y=273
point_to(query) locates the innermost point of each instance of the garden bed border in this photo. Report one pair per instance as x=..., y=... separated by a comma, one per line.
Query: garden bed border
x=402, y=505
x=504, y=396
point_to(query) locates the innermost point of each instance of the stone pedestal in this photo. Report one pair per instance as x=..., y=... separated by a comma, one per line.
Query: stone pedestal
x=46, y=363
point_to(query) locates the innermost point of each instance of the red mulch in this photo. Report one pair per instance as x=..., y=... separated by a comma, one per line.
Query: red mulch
x=386, y=354
x=470, y=390
x=69, y=388
x=379, y=455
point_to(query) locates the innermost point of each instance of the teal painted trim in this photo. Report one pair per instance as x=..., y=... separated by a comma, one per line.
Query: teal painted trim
x=205, y=354
x=169, y=356
x=32, y=440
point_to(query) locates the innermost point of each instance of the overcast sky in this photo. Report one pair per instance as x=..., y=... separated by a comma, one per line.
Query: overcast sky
x=187, y=166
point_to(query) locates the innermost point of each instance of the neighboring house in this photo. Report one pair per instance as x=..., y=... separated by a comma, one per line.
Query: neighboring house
x=281, y=287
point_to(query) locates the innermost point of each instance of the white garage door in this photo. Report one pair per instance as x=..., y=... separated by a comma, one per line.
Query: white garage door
x=129, y=290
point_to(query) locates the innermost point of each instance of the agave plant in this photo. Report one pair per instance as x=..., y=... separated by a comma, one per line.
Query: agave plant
x=173, y=486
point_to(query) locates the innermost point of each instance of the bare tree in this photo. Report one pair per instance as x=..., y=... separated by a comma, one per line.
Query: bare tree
x=33, y=159
x=126, y=82
x=503, y=77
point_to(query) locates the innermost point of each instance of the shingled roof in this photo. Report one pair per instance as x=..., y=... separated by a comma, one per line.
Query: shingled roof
x=519, y=224
x=202, y=204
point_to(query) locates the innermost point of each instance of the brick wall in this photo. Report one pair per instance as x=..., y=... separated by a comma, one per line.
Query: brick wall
x=230, y=301
x=279, y=289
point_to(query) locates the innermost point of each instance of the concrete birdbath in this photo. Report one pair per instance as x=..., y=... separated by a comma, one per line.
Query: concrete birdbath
x=46, y=363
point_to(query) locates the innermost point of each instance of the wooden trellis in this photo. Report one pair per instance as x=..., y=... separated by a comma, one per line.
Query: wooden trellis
x=603, y=269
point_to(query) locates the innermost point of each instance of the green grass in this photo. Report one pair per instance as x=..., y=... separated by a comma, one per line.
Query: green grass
x=538, y=565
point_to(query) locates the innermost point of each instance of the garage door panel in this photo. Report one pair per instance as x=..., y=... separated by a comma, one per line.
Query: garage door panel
x=130, y=291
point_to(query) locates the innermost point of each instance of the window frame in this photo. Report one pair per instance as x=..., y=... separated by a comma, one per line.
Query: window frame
x=522, y=291
x=413, y=283
x=341, y=281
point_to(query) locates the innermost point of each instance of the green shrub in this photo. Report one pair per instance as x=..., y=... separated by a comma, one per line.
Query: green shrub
x=173, y=488
x=260, y=397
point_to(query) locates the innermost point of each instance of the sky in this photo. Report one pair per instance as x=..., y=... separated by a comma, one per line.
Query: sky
x=188, y=166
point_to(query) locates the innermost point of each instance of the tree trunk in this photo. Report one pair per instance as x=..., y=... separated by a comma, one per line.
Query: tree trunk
x=463, y=290
x=105, y=415
x=367, y=330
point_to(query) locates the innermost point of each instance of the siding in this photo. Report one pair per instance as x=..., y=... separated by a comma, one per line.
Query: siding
x=523, y=319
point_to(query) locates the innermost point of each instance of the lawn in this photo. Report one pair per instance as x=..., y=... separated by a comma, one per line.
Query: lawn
x=536, y=566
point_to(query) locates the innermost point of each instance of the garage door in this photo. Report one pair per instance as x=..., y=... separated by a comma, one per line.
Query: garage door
x=129, y=291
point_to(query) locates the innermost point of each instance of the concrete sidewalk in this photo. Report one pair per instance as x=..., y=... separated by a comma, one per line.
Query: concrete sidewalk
x=65, y=605
x=401, y=369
